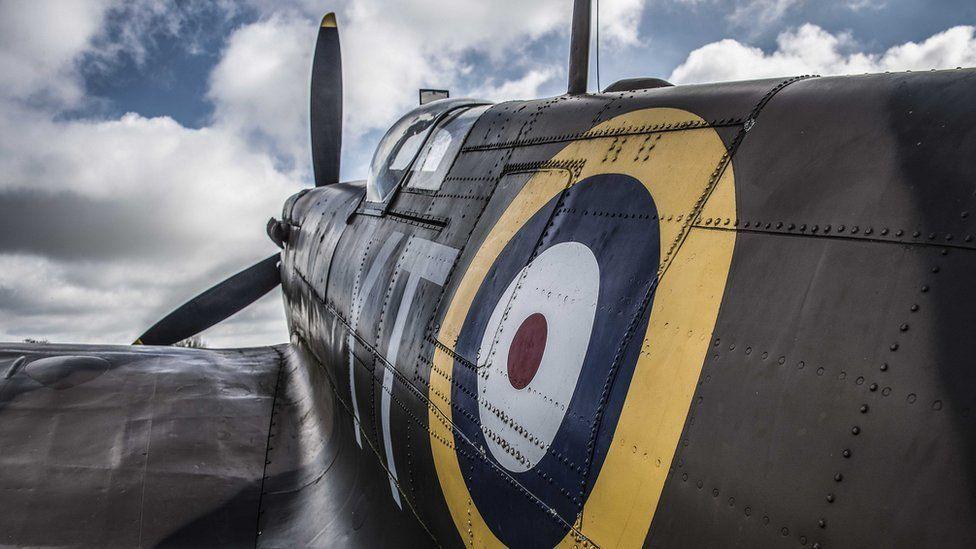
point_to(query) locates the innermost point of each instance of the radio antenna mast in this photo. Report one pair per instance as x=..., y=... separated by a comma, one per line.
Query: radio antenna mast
x=579, y=48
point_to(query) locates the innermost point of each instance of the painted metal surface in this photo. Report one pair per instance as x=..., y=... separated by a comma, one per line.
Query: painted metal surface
x=695, y=149
x=133, y=446
x=717, y=315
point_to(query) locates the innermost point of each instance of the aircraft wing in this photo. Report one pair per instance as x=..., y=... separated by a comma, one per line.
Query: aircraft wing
x=137, y=446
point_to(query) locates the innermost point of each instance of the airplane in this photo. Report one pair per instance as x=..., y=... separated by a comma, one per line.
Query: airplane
x=723, y=315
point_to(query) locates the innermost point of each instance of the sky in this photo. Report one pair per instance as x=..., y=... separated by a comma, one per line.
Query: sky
x=145, y=143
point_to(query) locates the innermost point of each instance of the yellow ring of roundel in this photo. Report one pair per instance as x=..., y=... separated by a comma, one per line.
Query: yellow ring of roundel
x=679, y=168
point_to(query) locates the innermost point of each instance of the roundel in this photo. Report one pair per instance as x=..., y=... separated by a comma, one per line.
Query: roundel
x=532, y=353
x=573, y=341
x=548, y=329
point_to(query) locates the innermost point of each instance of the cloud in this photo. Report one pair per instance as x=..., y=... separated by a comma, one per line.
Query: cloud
x=810, y=49
x=760, y=14
x=134, y=27
x=390, y=49
x=260, y=87
x=619, y=21
x=107, y=224
x=755, y=16
x=526, y=86
x=43, y=44
x=859, y=5
x=123, y=220
x=40, y=43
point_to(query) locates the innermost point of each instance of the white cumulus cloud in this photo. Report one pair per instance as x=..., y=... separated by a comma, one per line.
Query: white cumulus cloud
x=810, y=49
x=39, y=44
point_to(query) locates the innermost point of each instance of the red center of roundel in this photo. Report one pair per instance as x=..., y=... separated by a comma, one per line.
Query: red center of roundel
x=525, y=354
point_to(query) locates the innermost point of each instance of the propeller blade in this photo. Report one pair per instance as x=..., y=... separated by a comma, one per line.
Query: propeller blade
x=215, y=304
x=326, y=106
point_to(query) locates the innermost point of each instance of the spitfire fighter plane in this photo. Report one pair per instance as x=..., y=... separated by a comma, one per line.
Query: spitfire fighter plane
x=736, y=314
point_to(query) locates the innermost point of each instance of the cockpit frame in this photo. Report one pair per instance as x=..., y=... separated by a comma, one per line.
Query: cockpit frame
x=443, y=110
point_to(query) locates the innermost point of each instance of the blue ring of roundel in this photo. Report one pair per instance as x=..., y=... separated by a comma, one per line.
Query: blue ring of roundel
x=615, y=216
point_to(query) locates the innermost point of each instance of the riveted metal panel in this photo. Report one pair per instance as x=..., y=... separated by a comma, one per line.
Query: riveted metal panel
x=836, y=395
x=880, y=157
x=162, y=446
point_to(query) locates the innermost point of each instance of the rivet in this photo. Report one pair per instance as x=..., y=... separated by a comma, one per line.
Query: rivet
x=803, y=540
x=785, y=531
x=925, y=288
x=816, y=545
x=944, y=252
x=826, y=228
x=791, y=226
x=873, y=387
x=830, y=498
x=869, y=230
x=969, y=238
x=911, y=398
x=715, y=492
x=838, y=477
x=886, y=391
x=803, y=227
x=846, y=453
x=884, y=366
x=699, y=485
x=931, y=236
x=864, y=408
x=884, y=231
x=893, y=347
x=748, y=511
x=815, y=228
x=937, y=405
x=822, y=523
x=899, y=232
x=855, y=430
x=903, y=327
x=914, y=307
x=854, y=229
x=948, y=237
x=840, y=229
x=916, y=234
x=779, y=225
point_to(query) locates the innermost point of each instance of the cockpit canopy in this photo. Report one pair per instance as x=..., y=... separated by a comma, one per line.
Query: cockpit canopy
x=418, y=143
